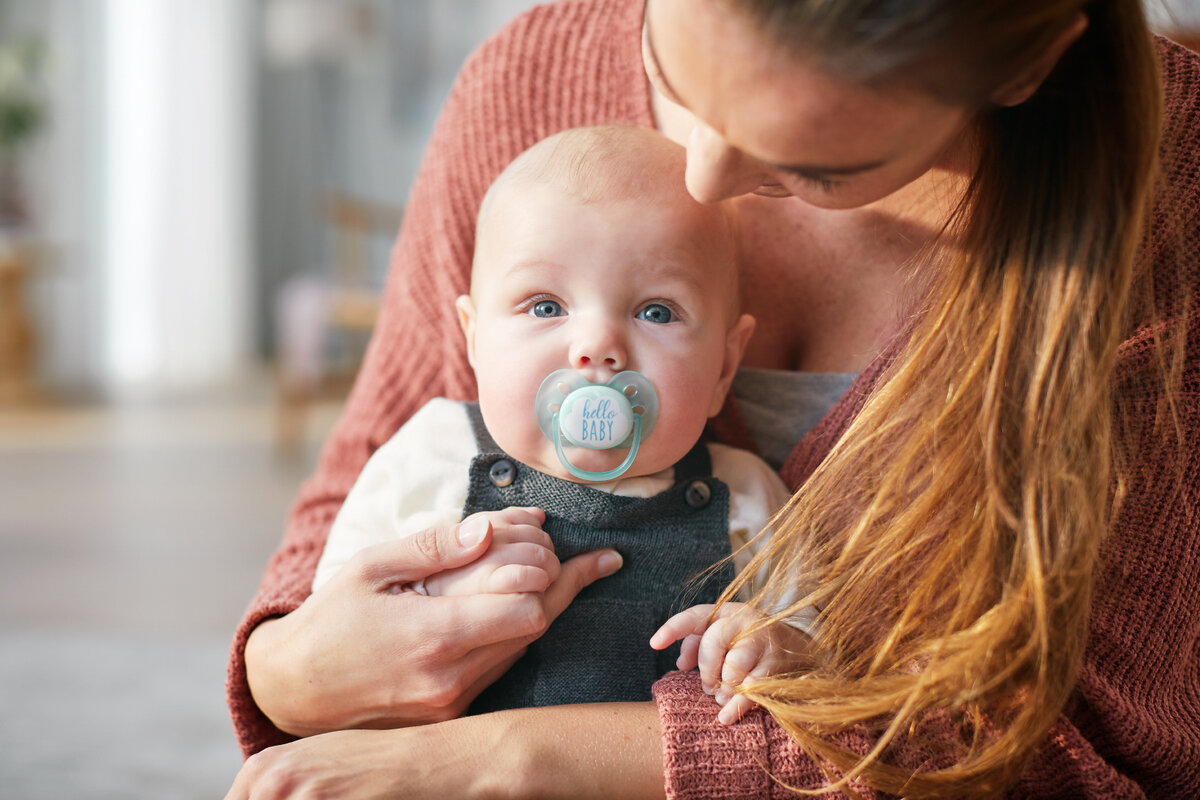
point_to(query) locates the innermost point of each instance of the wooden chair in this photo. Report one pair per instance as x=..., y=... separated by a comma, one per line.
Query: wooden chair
x=345, y=312
x=18, y=343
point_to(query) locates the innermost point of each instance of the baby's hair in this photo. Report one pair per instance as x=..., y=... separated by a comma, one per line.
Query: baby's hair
x=606, y=163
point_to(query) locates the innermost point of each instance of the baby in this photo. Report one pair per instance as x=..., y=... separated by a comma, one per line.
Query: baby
x=604, y=331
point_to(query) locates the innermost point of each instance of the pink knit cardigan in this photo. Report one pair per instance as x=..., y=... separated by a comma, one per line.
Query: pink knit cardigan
x=1133, y=728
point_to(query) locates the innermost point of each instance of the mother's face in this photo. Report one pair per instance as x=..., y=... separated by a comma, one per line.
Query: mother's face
x=768, y=122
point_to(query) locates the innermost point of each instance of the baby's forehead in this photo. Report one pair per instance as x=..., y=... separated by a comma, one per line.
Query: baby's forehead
x=683, y=232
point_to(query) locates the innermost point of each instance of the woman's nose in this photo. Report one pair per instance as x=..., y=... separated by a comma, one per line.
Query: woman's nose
x=597, y=347
x=715, y=170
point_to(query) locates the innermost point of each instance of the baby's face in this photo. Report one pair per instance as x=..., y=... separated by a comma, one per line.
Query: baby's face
x=602, y=288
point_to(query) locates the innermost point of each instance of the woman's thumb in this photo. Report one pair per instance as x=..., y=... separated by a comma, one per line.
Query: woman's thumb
x=433, y=550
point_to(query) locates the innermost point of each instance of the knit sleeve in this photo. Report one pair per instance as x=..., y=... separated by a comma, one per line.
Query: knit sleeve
x=758, y=758
x=755, y=757
x=557, y=66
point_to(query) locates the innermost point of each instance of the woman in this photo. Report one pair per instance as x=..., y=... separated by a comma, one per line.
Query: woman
x=947, y=198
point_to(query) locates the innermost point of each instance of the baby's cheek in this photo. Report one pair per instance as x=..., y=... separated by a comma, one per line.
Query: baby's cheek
x=679, y=426
x=691, y=393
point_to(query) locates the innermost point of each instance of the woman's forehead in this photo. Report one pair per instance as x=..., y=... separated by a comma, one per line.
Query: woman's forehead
x=772, y=103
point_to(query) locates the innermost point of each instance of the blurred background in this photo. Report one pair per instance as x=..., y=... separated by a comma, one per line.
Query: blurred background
x=197, y=200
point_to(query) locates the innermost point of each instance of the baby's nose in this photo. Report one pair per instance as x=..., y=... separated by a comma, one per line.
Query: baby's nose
x=597, y=348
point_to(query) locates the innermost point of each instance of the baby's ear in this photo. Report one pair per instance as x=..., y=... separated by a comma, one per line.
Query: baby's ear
x=735, y=345
x=466, y=319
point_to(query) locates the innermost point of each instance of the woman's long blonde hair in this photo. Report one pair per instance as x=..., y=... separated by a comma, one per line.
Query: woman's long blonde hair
x=954, y=529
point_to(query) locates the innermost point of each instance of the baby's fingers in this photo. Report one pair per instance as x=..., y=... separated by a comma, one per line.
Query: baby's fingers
x=734, y=706
x=518, y=524
x=743, y=657
x=516, y=515
x=735, y=709
x=713, y=647
x=689, y=651
x=515, y=578
x=691, y=622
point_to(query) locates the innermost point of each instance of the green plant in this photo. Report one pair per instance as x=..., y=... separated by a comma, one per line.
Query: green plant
x=22, y=108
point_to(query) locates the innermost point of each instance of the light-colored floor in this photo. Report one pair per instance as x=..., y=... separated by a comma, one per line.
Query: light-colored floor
x=130, y=542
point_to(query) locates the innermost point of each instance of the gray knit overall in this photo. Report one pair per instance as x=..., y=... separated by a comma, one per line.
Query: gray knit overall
x=597, y=650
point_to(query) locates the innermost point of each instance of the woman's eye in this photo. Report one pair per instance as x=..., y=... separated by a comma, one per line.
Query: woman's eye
x=546, y=308
x=821, y=182
x=657, y=313
x=824, y=184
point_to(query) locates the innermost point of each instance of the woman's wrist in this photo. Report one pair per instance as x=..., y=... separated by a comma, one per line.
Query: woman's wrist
x=281, y=698
x=261, y=674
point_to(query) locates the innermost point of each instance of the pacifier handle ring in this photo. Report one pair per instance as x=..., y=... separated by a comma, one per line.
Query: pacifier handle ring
x=608, y=475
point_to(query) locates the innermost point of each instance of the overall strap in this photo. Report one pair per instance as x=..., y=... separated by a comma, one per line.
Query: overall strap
x=483, y=438
x=696, y=464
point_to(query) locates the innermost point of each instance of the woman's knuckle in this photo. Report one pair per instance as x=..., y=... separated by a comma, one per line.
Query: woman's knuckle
x=438, y=650
x=428, y=546
x=432, y=694
x=531, y=616
x=441, y=697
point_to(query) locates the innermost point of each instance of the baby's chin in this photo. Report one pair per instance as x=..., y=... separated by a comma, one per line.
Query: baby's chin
x=545, y=460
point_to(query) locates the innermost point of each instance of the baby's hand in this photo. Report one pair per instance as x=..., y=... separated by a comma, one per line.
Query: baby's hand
x=768, y=651
x=520, y=559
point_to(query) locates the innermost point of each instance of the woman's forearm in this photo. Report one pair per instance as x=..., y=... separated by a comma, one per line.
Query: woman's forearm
x=604, y=750
x=600, y=750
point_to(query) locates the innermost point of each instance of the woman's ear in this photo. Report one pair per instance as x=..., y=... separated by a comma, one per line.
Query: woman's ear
x=1022, y=87
x=735, y=344
x=466, y=320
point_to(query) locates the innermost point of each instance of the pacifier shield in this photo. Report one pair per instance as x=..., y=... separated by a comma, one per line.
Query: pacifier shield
x=569, y=403
x=572, y=410
x=596, y=417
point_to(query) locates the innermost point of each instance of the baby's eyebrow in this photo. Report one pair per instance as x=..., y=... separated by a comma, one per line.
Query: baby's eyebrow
x=530, y=265
x=680, y=270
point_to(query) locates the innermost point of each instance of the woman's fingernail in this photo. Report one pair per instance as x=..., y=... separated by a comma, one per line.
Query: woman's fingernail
x=471, y=531
x=610, y=562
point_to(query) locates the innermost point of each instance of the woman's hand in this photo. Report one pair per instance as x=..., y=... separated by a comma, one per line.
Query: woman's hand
x=607, y=750
x=360, y=653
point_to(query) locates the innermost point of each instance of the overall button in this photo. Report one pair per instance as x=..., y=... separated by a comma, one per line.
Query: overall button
x=502, y=473
x=697, y=494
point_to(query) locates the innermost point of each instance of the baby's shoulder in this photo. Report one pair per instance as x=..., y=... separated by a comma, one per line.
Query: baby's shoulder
x=441, y=427
x=746, y=473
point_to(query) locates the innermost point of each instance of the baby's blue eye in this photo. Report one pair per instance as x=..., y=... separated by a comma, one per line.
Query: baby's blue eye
x=546, y=308
x=657, y=313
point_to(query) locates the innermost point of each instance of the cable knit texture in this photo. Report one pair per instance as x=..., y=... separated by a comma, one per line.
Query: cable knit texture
x=1133, y=729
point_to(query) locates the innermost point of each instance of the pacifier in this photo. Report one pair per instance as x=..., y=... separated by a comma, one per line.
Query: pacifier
x=596, y=416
